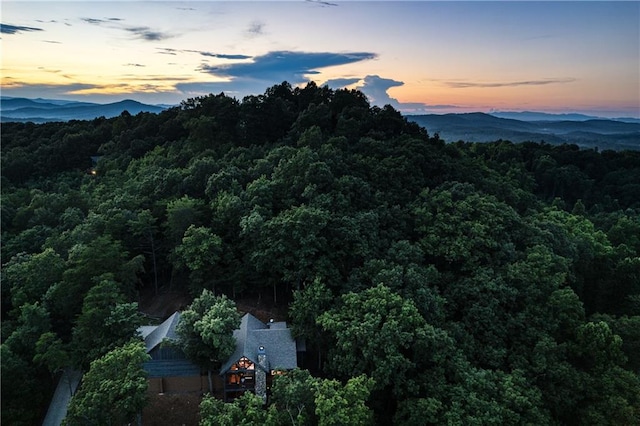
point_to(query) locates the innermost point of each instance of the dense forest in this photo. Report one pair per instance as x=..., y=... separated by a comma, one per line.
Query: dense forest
x=435, y=282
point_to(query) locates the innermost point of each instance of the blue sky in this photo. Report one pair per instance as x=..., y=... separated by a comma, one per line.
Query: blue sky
x=419, y=56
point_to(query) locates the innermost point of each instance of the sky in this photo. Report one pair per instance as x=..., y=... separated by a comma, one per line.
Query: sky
x=418, y=56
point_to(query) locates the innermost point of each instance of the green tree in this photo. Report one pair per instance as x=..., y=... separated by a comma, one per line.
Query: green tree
x=308, y=304
x=181, y=214
x=145, y=228
x=378, y=333
x=494, y=397
x=32, y=323
x=246, y=410
x=86, y=262
x=106, y=322
x=199, y=252
x=114, y=389
x=338, y=405
x=288, y=245
x=293, y=396
x=21, y=389
x=52, y=353
x=611, y=394
x=418, y=412
x=29, y=276
x=462, y=229
x=206, y=330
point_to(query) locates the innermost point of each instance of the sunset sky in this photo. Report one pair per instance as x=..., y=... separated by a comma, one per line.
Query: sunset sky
x=418, y=56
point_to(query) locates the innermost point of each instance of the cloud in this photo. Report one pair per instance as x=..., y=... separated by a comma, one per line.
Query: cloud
x=154, y=78
x=253, y=77
x=468, y=84
x=41, y=90
x=217, y=55
x=321, y=3
x=147, y=33
x=141, y=32
x=291, y=66
x=52, y=41
x=339, y=83
x=14, y=29
x=237, y=89
x=256, y=28
x=376, y=89
x=134, y=65
x=94, y=21
x=169, y=51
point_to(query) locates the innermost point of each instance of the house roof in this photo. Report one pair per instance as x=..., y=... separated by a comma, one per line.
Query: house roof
x=275, y=337
x=154, y=335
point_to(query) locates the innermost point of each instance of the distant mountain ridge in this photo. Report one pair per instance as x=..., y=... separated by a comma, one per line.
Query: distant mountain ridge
x=583, y=130
x=481, y=127
x=43, y=110
x=543, y=116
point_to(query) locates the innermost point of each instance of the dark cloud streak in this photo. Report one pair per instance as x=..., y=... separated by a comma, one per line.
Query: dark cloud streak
x=148, y=34
x=140, y=32
x=217, y=55
x=15, y=29
x=256, y=28
x=167, y=51
x=170, y=51
x=321, y=3
x=286, y=65
x=340, y=83
x=467, y=84
x=93, y=21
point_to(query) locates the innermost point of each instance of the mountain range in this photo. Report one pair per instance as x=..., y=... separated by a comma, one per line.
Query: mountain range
x=583, y=130
x=543, y=116
x=43, y=110
x=480, y=127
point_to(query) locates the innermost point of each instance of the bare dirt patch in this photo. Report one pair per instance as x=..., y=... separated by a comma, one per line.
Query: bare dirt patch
x=178, y=409
x=163, y=304
x=263, y=310
x=166, y=302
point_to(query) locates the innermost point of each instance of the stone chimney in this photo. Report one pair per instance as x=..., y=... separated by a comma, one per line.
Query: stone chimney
x=261, y=374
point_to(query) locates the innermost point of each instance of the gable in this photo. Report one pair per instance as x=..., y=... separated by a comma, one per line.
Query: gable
x=154, y=335
x=276, y=339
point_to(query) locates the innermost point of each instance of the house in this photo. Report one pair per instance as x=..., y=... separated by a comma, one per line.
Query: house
x=262, y=350
x=169, y=370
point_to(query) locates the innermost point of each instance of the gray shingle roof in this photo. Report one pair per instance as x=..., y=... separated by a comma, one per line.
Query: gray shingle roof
x=276, y=338
x=154, y=335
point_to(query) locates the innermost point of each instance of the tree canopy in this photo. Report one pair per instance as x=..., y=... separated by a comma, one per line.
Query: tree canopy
x=499, y=281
